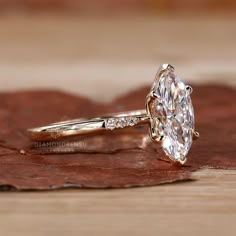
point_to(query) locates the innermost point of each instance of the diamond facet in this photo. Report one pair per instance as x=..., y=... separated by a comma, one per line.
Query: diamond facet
x=175, y=112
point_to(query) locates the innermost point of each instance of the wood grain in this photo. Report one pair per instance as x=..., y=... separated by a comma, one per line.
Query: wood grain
x=204, y=207
x=30, y=58
x=113, y=54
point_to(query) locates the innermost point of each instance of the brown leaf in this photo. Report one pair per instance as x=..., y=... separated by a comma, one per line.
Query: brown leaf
x=115, y=159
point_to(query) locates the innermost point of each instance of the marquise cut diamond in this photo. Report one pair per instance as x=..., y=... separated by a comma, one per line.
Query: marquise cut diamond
x=175, y=112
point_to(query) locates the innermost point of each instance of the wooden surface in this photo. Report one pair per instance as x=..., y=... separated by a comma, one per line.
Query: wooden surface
x=203, y=207
x=30, y=58
x=113, y=54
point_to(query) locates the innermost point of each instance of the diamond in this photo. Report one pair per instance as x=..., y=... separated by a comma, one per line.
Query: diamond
x=121, y=122
x=111, y=124
x=174, y=108
x=131, y=121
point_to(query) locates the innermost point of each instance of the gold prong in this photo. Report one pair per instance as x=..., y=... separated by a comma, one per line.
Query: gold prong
x=179, y=162
x=182, y=160
x=159, y=138
x=196, y=135
x=152, y=94
x=166, y=67
x=189, y=89
x=163, y=68
x=170, y=67
x=154, y=135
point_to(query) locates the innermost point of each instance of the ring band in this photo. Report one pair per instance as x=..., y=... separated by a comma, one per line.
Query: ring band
x=168, y=112
x=89, y=125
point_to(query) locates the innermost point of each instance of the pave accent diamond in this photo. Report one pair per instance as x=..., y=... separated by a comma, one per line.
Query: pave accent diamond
x=111, y=124
x=175, y=114
x=122, y=122
x=131, y=121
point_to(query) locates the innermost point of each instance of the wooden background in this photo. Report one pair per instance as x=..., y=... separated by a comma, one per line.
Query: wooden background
x=102, y=58
x=122, y=6
x=204, y=207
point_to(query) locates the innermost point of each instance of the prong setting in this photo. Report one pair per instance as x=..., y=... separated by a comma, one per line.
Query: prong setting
x=163, y=68
x=182, y=160
x=153, y=94
x=166, y=67
x=196, y=135
x=171, y=114
x=189, y=89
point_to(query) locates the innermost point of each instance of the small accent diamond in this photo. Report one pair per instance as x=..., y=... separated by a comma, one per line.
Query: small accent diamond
x=121, y=123
x=111, y=124
x=131, y=121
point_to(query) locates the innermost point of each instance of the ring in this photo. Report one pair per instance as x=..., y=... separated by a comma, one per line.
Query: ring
x=169, y=114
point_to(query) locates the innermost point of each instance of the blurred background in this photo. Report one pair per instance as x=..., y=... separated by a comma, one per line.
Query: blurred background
x=103, y=48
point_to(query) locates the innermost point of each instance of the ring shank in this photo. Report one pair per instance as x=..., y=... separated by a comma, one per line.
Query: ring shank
x=89, y=125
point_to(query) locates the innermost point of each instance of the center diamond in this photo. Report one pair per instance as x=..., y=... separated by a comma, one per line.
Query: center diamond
x=173, y=108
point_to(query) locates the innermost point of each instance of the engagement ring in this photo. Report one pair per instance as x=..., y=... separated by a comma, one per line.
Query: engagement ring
x=169, y=113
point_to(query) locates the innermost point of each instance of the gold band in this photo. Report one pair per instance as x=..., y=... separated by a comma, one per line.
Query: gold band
x=89, y=125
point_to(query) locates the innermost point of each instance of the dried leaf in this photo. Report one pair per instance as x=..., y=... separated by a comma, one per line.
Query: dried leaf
x=112, y=160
